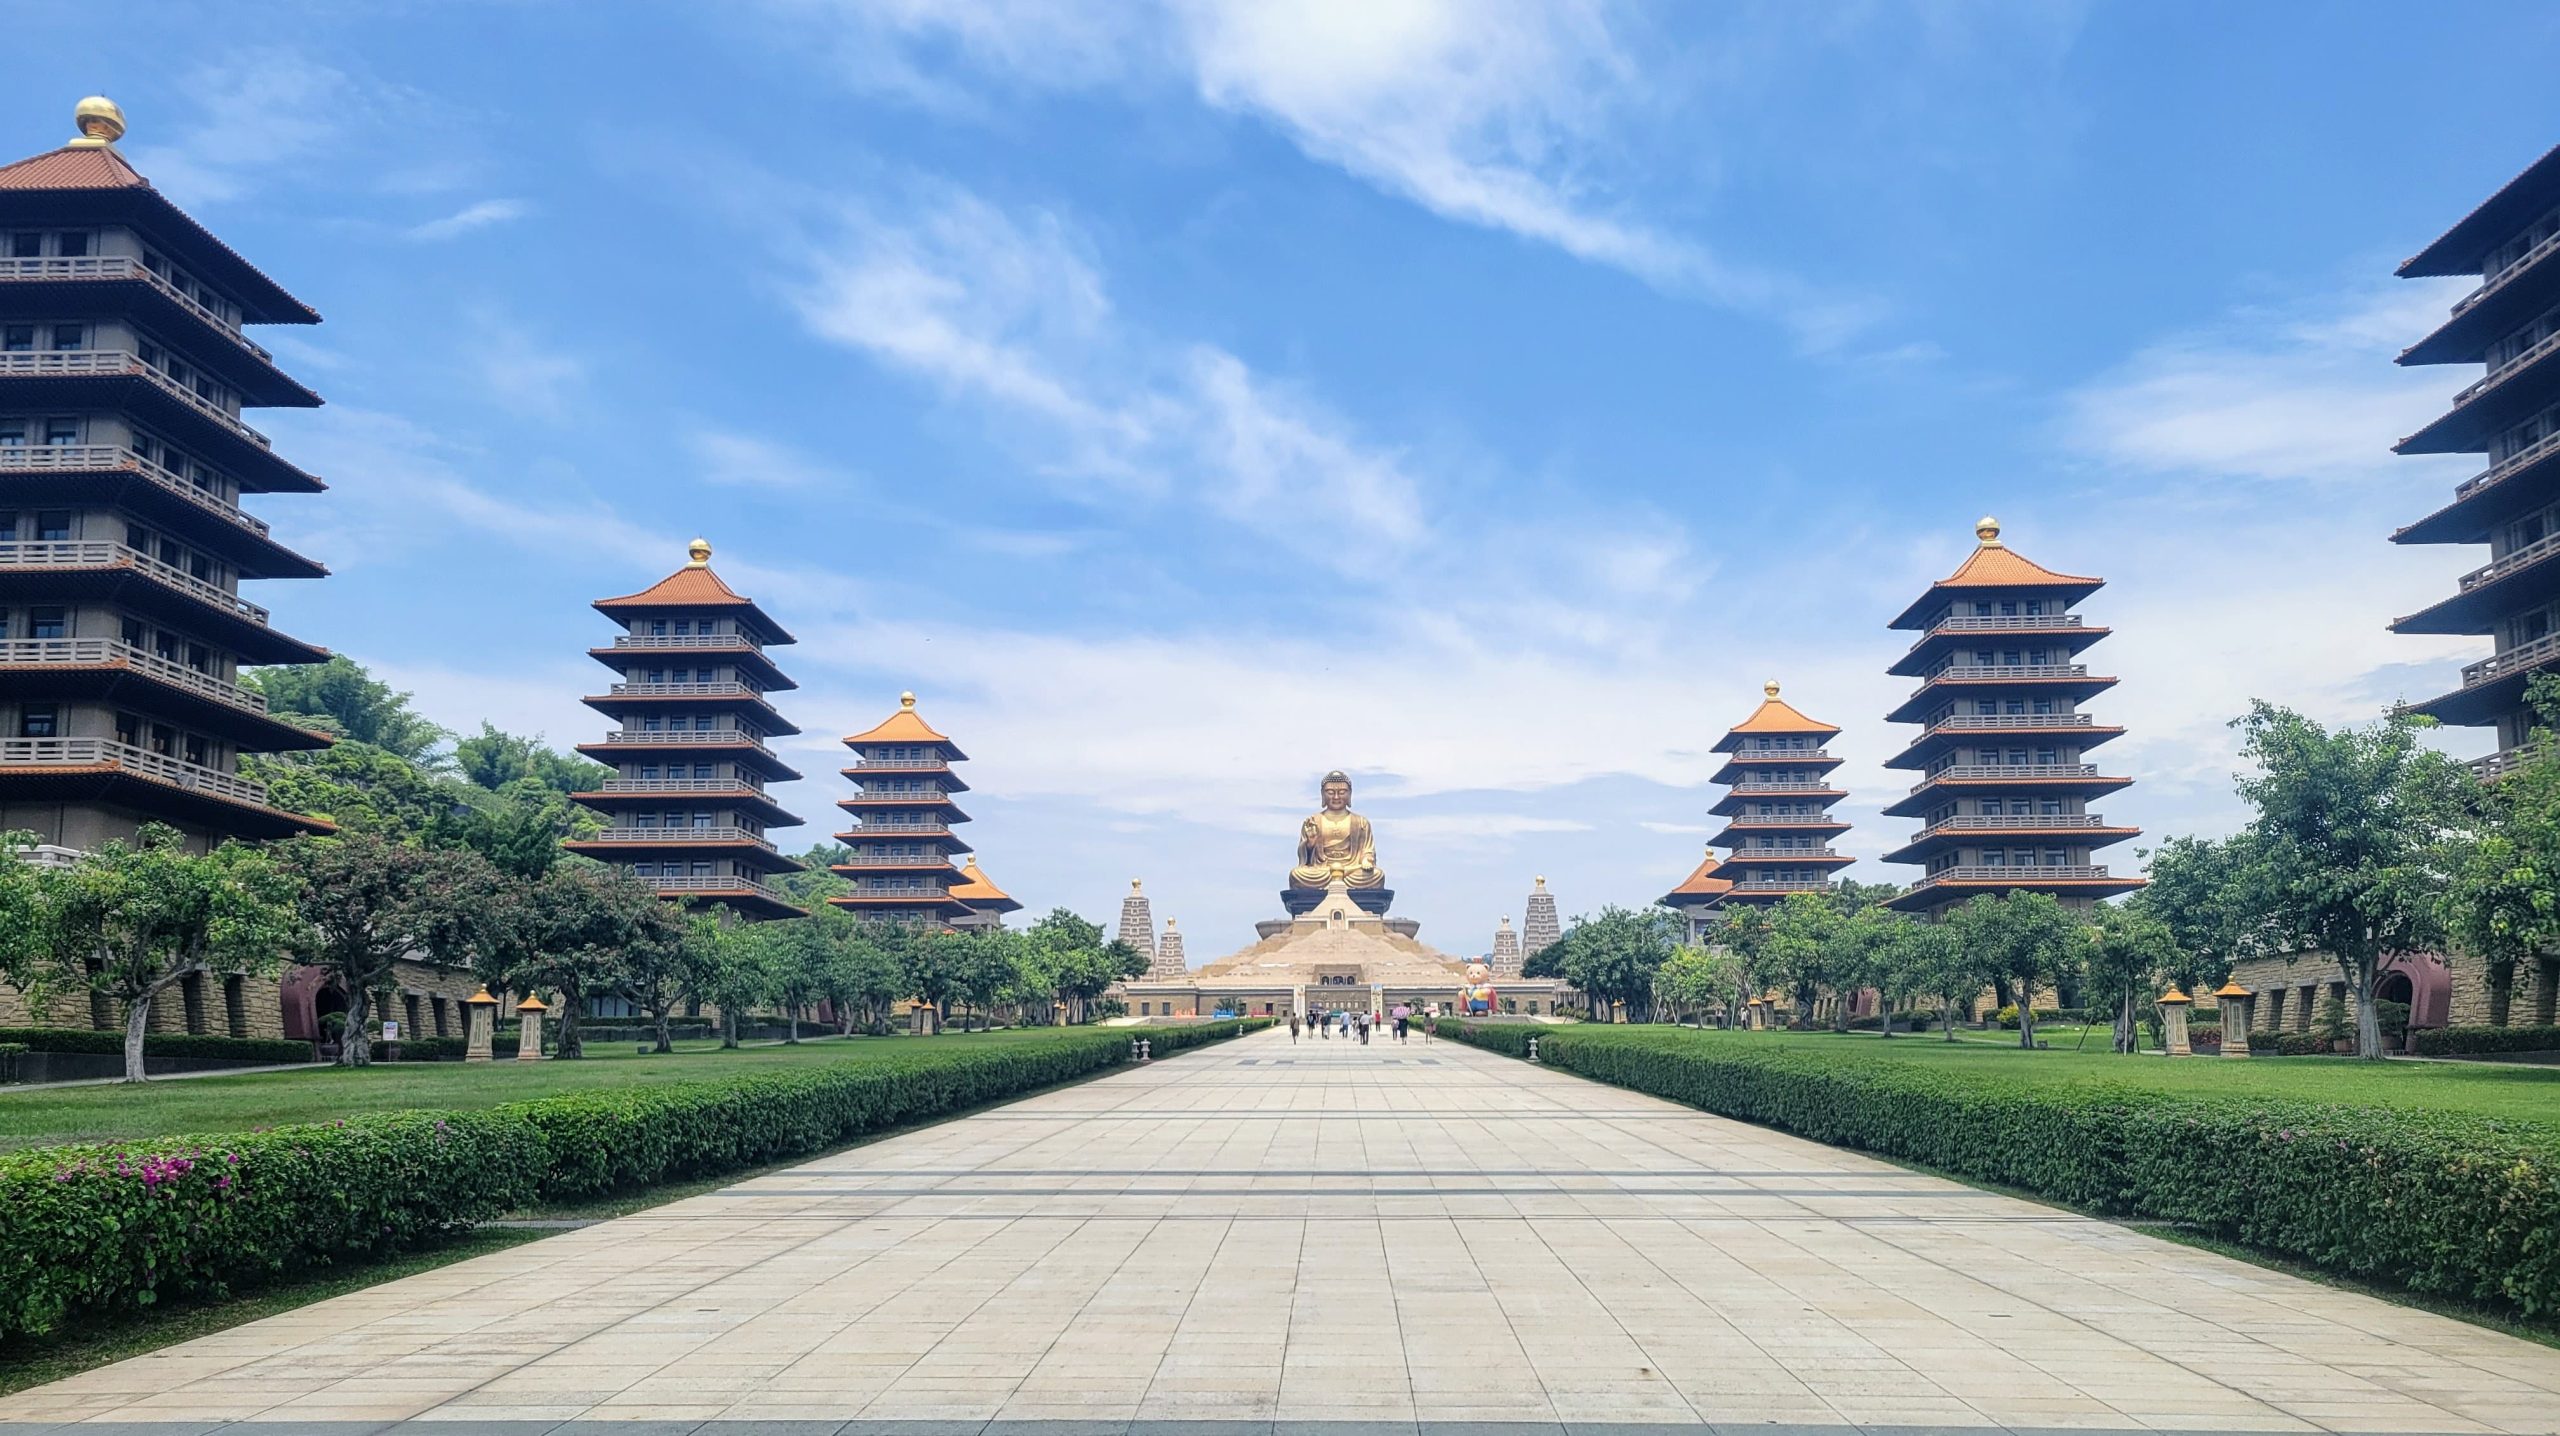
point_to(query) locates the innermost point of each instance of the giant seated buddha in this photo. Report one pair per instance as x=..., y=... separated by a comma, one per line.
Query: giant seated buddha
x=1336, y=845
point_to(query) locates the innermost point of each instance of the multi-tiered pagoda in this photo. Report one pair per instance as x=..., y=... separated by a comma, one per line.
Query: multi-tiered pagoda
x=1777, y=808
x=2510, y=325
x=1699, y=899
x=2004, y=793
x=902, y=837
x=687, y=807
x=986, y=902
x=124, y=367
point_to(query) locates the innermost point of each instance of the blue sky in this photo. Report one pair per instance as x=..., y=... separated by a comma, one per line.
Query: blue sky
x=1185, y=399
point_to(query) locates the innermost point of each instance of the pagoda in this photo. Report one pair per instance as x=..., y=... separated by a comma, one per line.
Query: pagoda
x=1170, y=961
x=1777, y=804
x=1539, y=927
x=2004, y=792
x=986, y=902
x=1700, y=897
x=902, y=837
x=124, y=368
x=2511, y=417
x=687, y=807
x=1506, y=958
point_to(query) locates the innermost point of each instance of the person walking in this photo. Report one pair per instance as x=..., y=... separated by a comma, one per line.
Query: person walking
x=1293, y=1029
x=1401, y=1020
x=1430, y=1026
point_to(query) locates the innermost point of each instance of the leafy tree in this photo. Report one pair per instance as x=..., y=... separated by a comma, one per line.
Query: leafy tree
x=1612, y=957
x=736, y=973
x=495, y=759
x=663, y=960
x=578, y=921
x=352, y=702
x=357, y=786
x=799, y=957
x=25, y=940
x=519, y=828
x=2028, y=938
x=2352, y=841
x=366, y=902
x=985, y=966
x=1697, y=979
x=1076, y=961
x=1941, y=965
x=1897, y=963
x=863, y=976
x=2200, y=893
x=133, y=919
x=931, y=958
x=2502, y=907
x=1803, y=947
x=814, y=884
x=2129, y=952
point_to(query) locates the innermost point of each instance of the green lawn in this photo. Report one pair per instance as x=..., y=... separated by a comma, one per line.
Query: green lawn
x=2503, y=1090
x=39, y=1116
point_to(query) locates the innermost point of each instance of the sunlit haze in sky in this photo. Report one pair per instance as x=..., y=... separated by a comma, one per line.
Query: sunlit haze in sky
x=1187, y=398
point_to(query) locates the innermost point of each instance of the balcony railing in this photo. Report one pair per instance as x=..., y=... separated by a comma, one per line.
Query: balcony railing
x=680, y=837
x=686, y=640
x=2498, y=375
x=1774, y=855
x=58, y=458
x=716, y=738
x=1782, y=885
x=874, y=828
x=929, y=890
x=2014, y=872
x=2009, y=823
x=1996, y=623
x=687, y=690
x=1987, y=722
x=125, y=266
x=1783, y=820
x=715, y=882
x=1780, y=755
x=2499, y=280
x=94, y=652
x=891, y=860
x=911, y=765
x=2525, y=557
x=118, y=363
x=2524, y=655
x=2530, y=453
x=1980, y=671
x=678, y=785
x=2504, y=762
x=900, y=795
x=2002, y=772
x=98, y=553
x=91, y=752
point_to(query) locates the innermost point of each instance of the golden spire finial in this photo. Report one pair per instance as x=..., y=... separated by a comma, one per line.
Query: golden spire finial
x=1170, y=922
x=1542, y=884
x=907, y=701
x=698, y=553
x=1134, y=886
x=1506, y=919
x=1988, y=530
x=1770, y=687
x=99, y=122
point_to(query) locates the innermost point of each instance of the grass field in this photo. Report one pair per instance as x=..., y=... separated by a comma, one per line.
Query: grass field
x=40, y=1116
x=2507, y=1091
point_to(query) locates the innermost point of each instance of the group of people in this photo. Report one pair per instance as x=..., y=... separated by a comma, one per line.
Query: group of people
x=1356, y=1026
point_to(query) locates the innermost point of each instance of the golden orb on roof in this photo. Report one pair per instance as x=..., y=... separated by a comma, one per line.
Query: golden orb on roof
x=1987, y=529
x=98, y=121
x=1770, y=687
x=699, y=551
x=907, y=701
x=1134, y=887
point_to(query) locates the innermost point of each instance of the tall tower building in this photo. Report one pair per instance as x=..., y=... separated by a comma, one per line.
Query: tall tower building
x=2004, y=792
x=903, y=820
x=1506, y=950
x=2510, y=325
x=1170, y=960
x=1138, y=923
x=1700, y=898
x=1777, y=804
x=687, y=807
x=1539, y=928
x=124, y=367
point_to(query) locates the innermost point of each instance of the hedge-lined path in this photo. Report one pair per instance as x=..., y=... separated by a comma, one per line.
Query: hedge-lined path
x=1328, y=1232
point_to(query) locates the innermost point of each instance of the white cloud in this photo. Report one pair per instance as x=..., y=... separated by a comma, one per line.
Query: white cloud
x=521, y=374
x=254, y=114
x=752, y=461
x=480, y=215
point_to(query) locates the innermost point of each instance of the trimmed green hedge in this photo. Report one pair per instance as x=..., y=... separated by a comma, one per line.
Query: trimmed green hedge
x=158, y=1044
x=9, y=1054
x=90, y=1228
x=2290, y=1044
x=2469, y=1207
x=2465, y=1041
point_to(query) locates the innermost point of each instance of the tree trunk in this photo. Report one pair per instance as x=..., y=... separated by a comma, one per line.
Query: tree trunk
x=355, y=1048
x=2027, y=1015
x=1949, y=1013
x=1884, y=1012
x=2368, y=1021
x=792, y=1011
x=2124, y=1025
x=728, y=1027
x=2502, y=991
x=571, y=1046
x=664, y=1043
x=137, y=1021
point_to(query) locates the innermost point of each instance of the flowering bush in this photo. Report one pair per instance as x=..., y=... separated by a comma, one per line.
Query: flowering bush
x=2429, y=1201
x=90, y=1228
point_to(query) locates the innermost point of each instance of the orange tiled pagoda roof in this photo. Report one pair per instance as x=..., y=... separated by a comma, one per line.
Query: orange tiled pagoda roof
x=73, y=167
x=696, y=586
x=1774, y=715
x=974, y=889
x=905, y=726
x=1993, y=564
x=1704, y=882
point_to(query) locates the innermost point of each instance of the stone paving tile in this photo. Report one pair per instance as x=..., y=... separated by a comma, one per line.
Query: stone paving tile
x=1335, y=1241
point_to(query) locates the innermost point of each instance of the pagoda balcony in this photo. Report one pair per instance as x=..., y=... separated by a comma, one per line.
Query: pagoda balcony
x=98, y=268
x=714, y=738
x=101, y=553
x=2010, y=823
x=679, y=785
x=893, y=860
x=1779, y=755
x=2005, y=772
x=1782, y=885
x=108, y=753
x=2003, y=672
x=2505, y=763
x=2010, y=722
x=712, y=887
x=687, y=641
x=2020, y=874
x=1810, y=784
x=920, y=797
x=2515, y=660
x=718, y=688
x=108, y=653
x=1788, y=855
x=682, y=837
x=108, y=458
x=873, y=831
x=2509, y=466
x=865, y=889
x=1783, y=820
x=897, y=765
x=2001, y=623
x=125, y=364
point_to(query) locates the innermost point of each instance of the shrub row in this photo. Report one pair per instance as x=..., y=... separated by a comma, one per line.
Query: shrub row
x=9, y=1054
x=2290, y=1044
x=95, y=1228
x=2463, y=1041
x=158, y=1044
x=2469, y=1207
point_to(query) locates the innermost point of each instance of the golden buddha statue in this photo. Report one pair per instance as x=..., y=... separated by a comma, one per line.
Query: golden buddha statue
x=1336, y=845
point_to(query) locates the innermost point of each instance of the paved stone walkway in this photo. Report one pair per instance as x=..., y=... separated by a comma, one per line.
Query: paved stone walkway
x=1264, y=1233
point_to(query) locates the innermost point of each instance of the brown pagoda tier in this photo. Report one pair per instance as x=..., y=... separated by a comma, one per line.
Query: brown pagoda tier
x=986, y=902
x=124, y=370
x=2508, y=325
x=903, y=817
x=687, y=806
x=2003, y=795
x=1777, y=807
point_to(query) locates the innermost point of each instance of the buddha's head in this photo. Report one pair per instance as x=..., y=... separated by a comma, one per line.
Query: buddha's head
x=1337, y=792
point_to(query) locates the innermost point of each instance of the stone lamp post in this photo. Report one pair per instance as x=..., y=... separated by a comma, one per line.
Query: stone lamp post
x=2173, y=1020
x=2236, y=1001
x=529, y=1015
x=479, y=1024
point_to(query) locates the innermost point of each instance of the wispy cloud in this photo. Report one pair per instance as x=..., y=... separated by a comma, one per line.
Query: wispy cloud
x=522, y=374
x=753, y=461
x=255, y=114
x=482, y=215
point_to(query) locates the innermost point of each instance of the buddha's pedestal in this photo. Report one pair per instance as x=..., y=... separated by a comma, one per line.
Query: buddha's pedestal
x=1301, y=901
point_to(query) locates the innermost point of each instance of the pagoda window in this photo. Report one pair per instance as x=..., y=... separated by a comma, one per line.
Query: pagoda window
x=48, y=623
x=647, y=772
x=652, y=723
x=53, y=525
x=2014, y=706
x=129, y=730
x=2050, y=807
x=2008, y=608
x=657, y=628
x=70, y=336
x=2048, y=756
x=702, y=820
x=1982, y=608
x=703, y=770
x=26, y=244
x=64, y=431
x=17, y=338
x=2042, y=706
x=195, y=750
x=40, y=720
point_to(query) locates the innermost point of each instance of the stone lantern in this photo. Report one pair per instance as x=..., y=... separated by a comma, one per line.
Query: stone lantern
x=529, y=1015
x=2173, y=1020
x=2235, y=1001
x=479, y=1023
x=1754, y=1015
